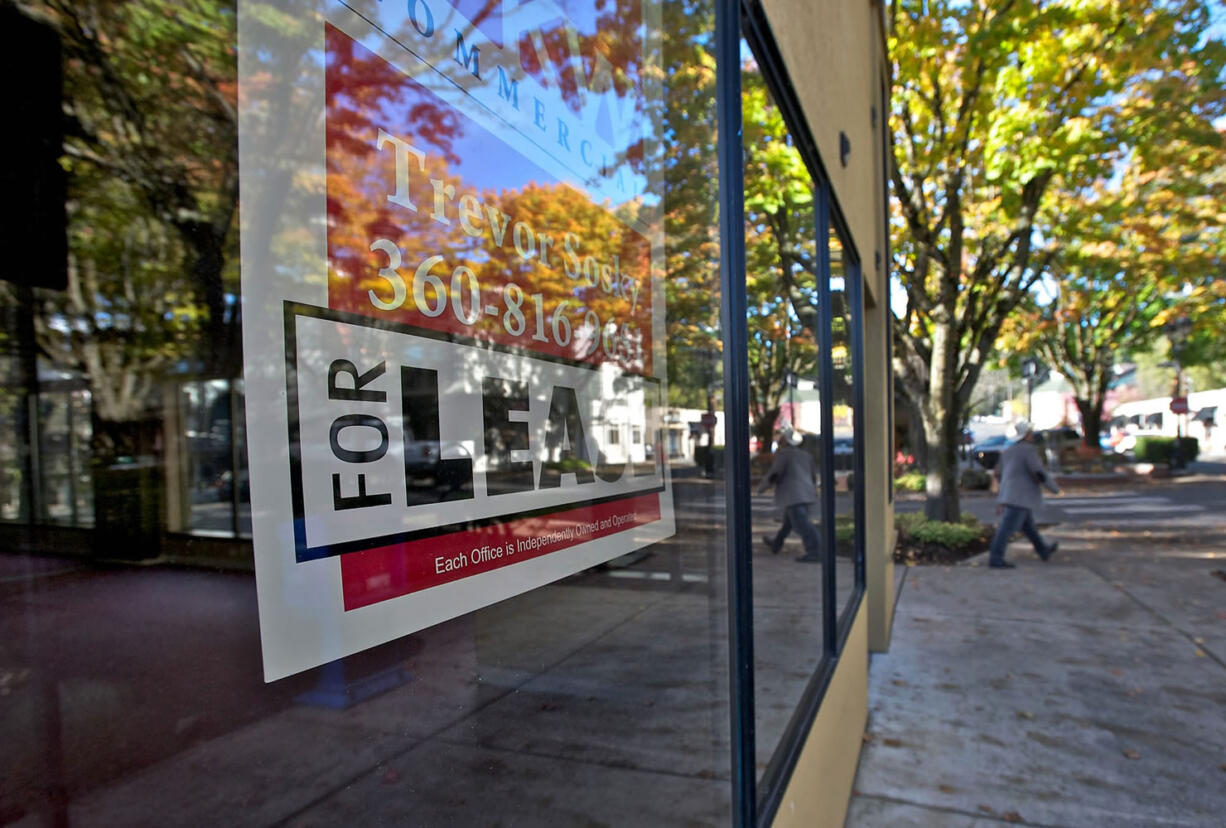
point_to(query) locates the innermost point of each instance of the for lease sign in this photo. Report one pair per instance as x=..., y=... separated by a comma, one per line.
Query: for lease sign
x=453, y=315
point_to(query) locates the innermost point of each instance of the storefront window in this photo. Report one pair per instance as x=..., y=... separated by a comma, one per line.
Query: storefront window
x=845, y=298
x=406, y=168
x=785, y=409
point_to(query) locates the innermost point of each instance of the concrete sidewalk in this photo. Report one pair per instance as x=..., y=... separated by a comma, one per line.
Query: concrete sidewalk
x=1089, y=691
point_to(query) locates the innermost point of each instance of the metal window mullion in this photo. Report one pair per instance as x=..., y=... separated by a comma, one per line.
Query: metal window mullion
x=825, y=344
x=857, y=333
x=736, y=407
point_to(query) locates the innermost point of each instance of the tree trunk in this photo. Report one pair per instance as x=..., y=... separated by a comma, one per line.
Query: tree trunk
x=1091, y=420
x=764, y=429
x=942, y=468
x=942, y=413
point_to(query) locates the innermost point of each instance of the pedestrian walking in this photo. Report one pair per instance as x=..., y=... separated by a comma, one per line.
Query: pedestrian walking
x=1020, y=474
x=794, y=475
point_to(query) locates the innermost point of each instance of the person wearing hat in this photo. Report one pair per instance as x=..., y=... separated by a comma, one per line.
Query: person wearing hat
x=795, y=477
x=1020, y=475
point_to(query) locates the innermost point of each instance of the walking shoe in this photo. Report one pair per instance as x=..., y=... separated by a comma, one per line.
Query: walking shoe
x=770, y=544
x=1046, y=554
x=1001, y=565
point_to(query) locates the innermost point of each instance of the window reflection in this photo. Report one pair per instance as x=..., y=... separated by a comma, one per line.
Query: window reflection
x=844, y=299
x=785, y=412
x=131, y=684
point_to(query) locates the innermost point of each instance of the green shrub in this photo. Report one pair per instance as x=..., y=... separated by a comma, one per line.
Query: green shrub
x=912, y=481
x=1160, y=449
x=915, y=526
x=978, y=479
x=844, y=529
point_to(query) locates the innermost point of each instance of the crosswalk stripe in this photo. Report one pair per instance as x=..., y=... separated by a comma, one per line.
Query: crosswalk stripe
x=1106, y=502
x=1132, y=507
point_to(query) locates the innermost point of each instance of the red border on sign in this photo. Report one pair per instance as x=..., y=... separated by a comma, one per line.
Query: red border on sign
x=376, y=575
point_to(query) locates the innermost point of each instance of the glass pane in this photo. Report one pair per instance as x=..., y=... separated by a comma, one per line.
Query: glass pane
x=82, y=434
x=586, y=218
x=785, y=408
x=211, y=478
x=843, y=302
x=56, y=458
x=13, y=401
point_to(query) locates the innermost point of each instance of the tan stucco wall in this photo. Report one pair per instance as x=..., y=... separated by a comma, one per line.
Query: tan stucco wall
x=820, y=787
x=878, y=466
x=831, y=48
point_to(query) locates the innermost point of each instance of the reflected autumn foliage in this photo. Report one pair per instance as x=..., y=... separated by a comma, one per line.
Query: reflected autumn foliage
x=437, y=223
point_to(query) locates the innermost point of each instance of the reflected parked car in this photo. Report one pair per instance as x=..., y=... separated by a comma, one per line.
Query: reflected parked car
x=224, y=486
x=987, y=452
x=844, y=451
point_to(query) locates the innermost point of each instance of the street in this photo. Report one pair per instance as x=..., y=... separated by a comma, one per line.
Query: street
x=1194, y=504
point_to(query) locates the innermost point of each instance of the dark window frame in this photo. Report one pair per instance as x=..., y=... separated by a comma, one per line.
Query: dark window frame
x=757, y=803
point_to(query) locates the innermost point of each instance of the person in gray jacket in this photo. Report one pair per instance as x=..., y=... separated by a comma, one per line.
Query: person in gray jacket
x=1020, y=474
x=795, y=477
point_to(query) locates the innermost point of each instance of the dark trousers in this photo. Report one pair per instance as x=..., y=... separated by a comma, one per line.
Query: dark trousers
x=1015, y=518
x=796, y=517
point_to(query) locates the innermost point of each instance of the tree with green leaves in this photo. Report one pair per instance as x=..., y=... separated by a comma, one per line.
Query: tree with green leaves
x=780, y=257
x=1002, y=113
x=1142, y=249
x=150, y=96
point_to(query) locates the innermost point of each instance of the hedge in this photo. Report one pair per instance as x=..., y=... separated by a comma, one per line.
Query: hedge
x=1162, y=449
x=952, y=535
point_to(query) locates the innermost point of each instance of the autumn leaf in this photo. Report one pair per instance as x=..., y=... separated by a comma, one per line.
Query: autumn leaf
x=1132, y=754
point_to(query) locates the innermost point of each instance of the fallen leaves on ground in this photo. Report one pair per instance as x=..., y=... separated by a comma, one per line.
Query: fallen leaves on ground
x=892, y=742
x=1011, y=816
x=1132, y=754
x=987, y=810
x=1025, y=714
x=946, y=788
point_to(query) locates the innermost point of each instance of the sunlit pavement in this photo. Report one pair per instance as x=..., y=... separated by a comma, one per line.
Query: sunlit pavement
x=1086, y=691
